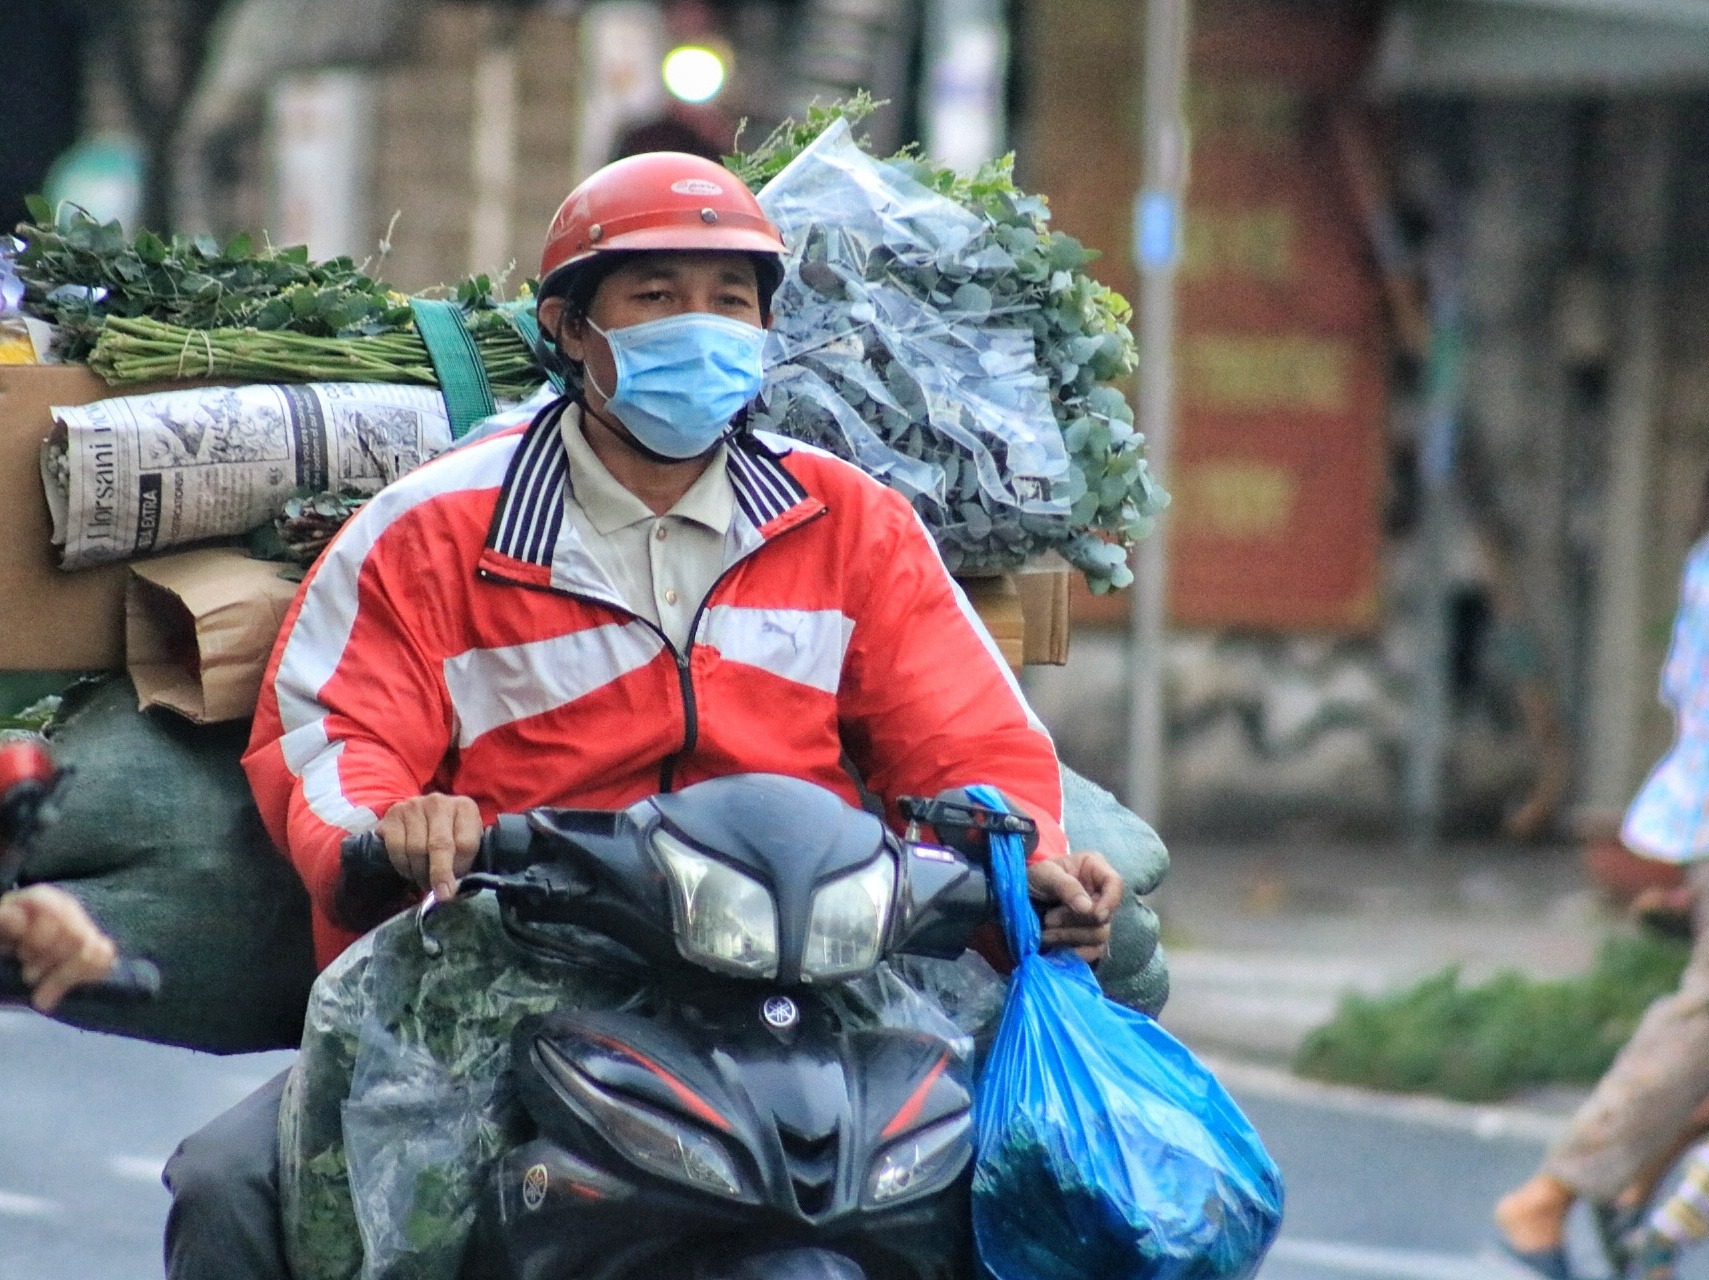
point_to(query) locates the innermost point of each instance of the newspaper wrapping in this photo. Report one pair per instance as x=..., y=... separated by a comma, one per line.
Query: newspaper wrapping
x=137, y=474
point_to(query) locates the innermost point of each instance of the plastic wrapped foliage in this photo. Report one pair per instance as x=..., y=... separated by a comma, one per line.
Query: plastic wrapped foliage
x=398, y=1102
x=1104, y=1148
x=943, y=339
x=958, y=1000
x=932, y=399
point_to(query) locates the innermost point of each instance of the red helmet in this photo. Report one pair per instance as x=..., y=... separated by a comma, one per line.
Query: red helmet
x=658, y=200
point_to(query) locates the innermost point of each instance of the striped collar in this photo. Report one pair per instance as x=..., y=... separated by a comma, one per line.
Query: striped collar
x=530, y=512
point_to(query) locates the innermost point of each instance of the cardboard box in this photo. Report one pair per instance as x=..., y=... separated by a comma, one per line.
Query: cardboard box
x=49, y=620
x=1044, y=596
x=1026, y=612
x=998, y=602
x=199, y=628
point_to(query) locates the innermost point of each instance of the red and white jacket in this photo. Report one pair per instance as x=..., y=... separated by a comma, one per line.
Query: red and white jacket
x=458, y=636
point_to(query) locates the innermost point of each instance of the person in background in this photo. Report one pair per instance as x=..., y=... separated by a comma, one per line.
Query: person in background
x=1634, y=1120
x=1681, y=1219
x=53, y=940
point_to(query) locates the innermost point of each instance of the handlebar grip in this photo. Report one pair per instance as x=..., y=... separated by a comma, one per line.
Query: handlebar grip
x=364, y=858
x=132, y=981
x=364, y=861
x=369, y=887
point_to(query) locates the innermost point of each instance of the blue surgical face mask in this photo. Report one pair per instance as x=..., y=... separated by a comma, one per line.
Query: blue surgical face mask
x=681, y=379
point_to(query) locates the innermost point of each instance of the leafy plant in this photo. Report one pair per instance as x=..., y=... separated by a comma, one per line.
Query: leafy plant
x=78, y=271
x=783, y=144
x=142, y=309
x=299, y=534
x=1481, y=1043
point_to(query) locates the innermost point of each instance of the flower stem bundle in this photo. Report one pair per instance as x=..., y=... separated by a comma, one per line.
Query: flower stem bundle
x=140, y=349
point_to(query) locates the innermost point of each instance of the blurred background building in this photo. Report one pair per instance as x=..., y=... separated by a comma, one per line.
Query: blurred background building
x=1443, y=348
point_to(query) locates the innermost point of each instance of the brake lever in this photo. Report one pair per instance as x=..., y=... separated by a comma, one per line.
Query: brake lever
x=536, y=886
x=964, y=825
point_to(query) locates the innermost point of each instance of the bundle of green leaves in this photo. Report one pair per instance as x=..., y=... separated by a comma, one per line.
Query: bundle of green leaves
x=1014, y=276
x=396, y=1102
x=130, y=351
x=1481, y=1043
x=77, y=271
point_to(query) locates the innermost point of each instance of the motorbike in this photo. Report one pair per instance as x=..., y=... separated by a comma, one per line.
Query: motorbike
x=737, y=1130
x=30, y=783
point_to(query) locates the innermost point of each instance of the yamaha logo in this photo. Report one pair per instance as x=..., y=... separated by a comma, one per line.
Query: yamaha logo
x=534, y=1184
x=780, y=1012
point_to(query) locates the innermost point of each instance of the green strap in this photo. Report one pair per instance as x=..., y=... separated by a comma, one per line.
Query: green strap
x=457, y=361
x=527, y=326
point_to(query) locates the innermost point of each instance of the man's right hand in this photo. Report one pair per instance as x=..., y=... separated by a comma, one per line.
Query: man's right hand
x=432, y=840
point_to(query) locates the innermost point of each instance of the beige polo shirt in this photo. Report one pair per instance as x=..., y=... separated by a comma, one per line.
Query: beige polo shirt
x=662, y=566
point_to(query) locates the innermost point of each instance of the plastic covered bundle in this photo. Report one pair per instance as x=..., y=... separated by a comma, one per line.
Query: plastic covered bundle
x=894, y=347
x=1104, y=1148
x=397, y=1103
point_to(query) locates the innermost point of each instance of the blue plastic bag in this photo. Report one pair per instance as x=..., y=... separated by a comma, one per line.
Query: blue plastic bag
x=1104, y=1148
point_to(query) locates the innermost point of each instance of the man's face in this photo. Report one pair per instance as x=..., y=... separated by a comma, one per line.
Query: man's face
x=651, y=287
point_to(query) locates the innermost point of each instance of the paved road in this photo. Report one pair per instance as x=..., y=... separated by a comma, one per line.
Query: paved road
x=1378, y=1190
x=86, y=1122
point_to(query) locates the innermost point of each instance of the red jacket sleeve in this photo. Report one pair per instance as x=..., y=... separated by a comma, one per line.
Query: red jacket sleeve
x=353, y=714
x=927, y=701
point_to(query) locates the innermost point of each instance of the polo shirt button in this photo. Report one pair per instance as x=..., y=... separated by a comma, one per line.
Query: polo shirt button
x=670, y=596
x=659, y=531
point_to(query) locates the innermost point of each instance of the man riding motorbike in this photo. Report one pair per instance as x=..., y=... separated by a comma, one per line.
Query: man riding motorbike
x=631, y=594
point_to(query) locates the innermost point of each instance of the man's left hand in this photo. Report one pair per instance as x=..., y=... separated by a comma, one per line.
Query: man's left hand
x=1084, y=891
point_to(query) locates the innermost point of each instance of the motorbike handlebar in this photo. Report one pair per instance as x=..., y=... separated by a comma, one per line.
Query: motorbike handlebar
x=132, y=981
x=371, y=888
x=553, y=863
x=504, y=846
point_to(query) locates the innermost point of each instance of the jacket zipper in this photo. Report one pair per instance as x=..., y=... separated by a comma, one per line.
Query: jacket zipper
x=684, y=669
x=691, y=713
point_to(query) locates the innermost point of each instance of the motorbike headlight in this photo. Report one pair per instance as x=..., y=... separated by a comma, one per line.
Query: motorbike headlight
x=920, y=1162
x=846, y=929
x=656, y=1142
x=724, y=919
